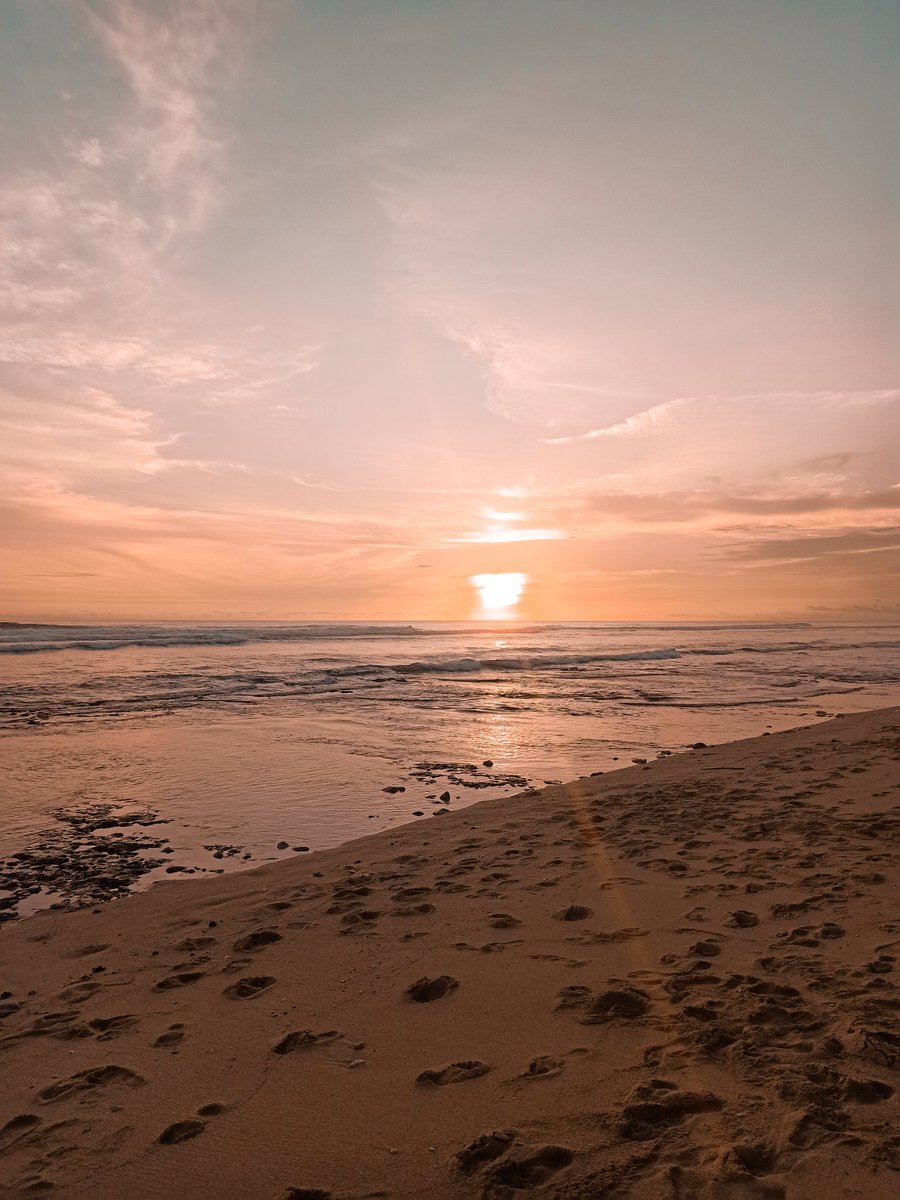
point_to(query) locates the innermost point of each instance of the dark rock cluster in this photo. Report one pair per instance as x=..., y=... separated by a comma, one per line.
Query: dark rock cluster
x=93, y=853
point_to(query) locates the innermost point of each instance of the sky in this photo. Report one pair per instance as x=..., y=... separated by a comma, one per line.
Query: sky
x=328, y=309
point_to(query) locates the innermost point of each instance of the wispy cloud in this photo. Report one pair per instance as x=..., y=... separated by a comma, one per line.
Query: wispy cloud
x=169, y=60
x=91, y=278
x=488, y=536
x=642, y=424
x=659, y=417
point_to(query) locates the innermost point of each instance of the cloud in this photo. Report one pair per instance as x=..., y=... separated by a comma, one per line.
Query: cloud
x=642, y=424
x=98, y=221
x=660, y=417
x=705, y=507
x=791, y=550
x=46, y=442
x=92, y=277
x=487, y=536
x=105, y=342
x=169, y=59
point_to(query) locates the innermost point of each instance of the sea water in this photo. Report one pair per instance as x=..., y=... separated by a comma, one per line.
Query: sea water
x=247, y=735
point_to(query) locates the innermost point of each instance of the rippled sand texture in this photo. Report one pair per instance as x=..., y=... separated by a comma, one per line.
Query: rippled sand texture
x=677, y=980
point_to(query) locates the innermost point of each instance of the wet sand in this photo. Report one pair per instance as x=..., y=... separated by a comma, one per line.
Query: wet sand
x=676, y=980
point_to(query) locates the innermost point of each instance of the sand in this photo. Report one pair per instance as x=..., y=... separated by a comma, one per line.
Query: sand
x=674, y=980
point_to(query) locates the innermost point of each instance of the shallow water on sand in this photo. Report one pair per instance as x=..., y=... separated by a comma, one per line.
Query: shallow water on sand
x=241, y=737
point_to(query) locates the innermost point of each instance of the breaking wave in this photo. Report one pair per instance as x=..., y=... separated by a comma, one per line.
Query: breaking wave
x=37, y=639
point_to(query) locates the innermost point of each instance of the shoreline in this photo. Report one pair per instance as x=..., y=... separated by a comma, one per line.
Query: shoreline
x=674, y=979
x=133, y=805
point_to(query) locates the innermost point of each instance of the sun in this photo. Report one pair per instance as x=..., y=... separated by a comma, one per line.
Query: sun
x=498, y=594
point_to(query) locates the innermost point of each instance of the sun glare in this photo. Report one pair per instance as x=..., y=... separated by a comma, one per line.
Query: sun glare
x=498, y=594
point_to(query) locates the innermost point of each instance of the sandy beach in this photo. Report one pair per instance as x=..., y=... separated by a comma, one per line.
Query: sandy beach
x=677, y=980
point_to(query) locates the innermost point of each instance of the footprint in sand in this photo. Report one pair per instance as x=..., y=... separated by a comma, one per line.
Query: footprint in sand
x=601, y=937
x=413, y=910
x=248, y=987
x=356, y=920
x=756, y=1158
x=257, y=940
x=503, y=921
x=19, y=1125
x=177, y=981
x=303, y=1039
x=198, y=943
x=457, y=1072
x=410, y=893
x=484, y=1149
x=425, y=990
x=530, y=1166
x=543, y=1067
x=624, y=1002
x=109, y=1027
x=574, y=912
x=743, y=919
x=37, y=1187
x=181, y=1131
x=78, y=992
x=85, y=1081
x=171, y=1037
x=660, y=1105
x=213, y=1109
x=705, y=949
x=83, y=951
x=882, y=1046
x=488, y=947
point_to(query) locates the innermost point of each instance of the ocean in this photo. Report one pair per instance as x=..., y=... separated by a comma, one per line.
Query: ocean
x=210, y=747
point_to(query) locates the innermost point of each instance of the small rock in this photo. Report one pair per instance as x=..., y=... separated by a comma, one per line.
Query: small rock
x=282, y=846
